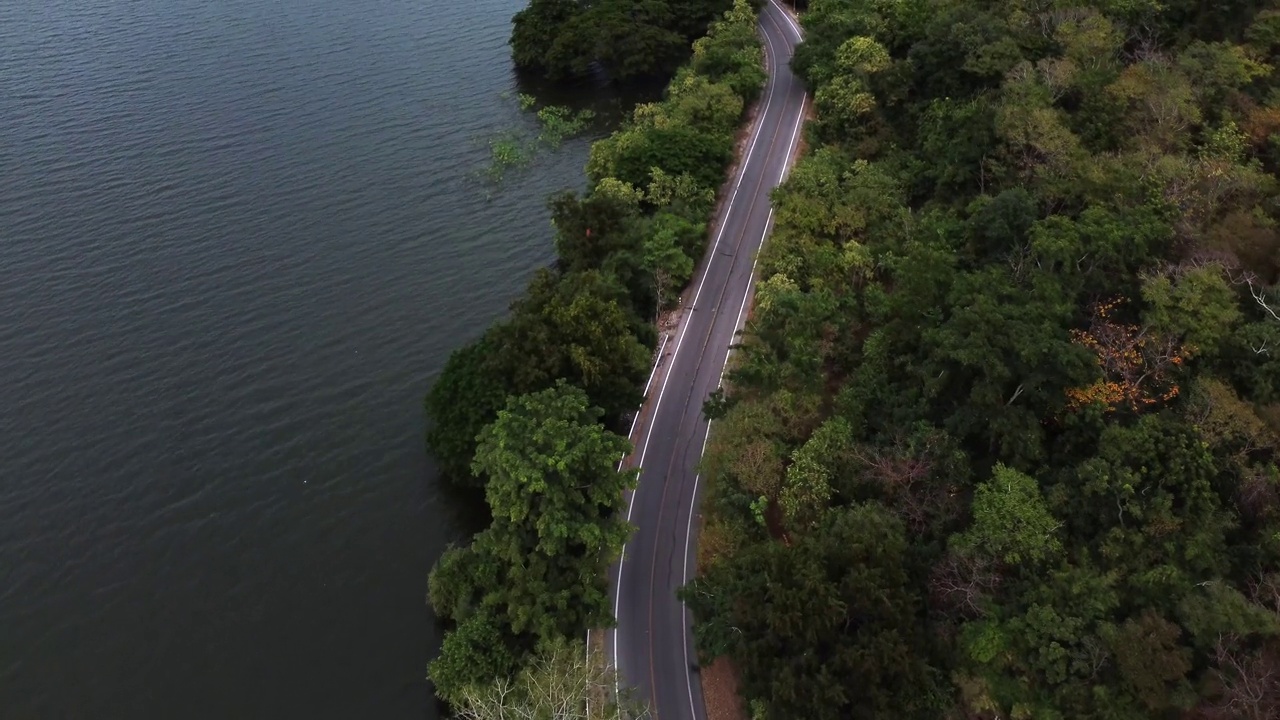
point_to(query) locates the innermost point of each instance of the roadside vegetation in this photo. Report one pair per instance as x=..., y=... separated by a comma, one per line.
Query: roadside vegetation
x=1001, y=437
x=532, y=410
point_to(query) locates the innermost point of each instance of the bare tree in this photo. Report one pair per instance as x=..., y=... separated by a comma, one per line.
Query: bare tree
x=963, y=582
x=1256, y=495
x=562, y=682
x=1265, y=590
x=906, y=475
x=1259, y=294
x=1250, y=682
x=1262, y=295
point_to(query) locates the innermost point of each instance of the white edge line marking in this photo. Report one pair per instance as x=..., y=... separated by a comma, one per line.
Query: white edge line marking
x=693, y=497
x=773, y=86
x=790, y=21
x=737, y=327
x=684, y=609
x=656, y=363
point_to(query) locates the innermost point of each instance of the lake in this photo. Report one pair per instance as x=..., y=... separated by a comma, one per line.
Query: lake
x=240, y=238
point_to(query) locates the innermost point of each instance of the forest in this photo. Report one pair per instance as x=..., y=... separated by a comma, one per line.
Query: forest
x=627, y=39
x=531, y=412
x=1001, y=436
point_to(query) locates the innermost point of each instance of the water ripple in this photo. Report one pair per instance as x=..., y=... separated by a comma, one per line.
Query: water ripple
x=239, y=241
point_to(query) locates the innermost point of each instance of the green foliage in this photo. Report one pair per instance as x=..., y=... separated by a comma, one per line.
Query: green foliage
x=808, y=488
x=665, y=259
x=475, y=652
x=455, y=581
x=465, y=398
x=675, y=150
x=835, y=605
x=536, y=574
x=1020, y=299
x=594, y=229
x=560, y=123
x=515, y=149
x=552, y=473
x=507, y=151
x=576, y=327
x=669, y=229
x=690, y=133
x=1011, y=521
x=1153, y=662
x=536, y=35
x=629, y=39
x=1198, y=306
x=731, y=54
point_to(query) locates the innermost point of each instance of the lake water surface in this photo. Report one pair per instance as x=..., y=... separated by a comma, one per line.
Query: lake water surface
x=239, y=239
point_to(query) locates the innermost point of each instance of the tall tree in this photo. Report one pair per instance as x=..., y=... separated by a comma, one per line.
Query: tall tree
x=465, y=398
x=554, y=490
x=821, y=629
x=536, y=574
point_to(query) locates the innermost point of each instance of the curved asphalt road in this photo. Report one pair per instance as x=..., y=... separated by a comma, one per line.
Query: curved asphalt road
x=653, y=644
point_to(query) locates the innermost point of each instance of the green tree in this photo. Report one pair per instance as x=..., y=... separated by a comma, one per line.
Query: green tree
x=1011, y=520
x=630, y=39
x=464, y=399
x=807, y=489
x=1196, y=305
x=1147, y=500
x=536, y=574
x=576, y=327
x=476, y=652
x=731, y=52
x=591, y=230
x=536, y=29
x=636, y=38
x=821, y=629
x=666, y=262
x=554, y=491
x=553, y=474
x=1152, y=661
x=459, y=581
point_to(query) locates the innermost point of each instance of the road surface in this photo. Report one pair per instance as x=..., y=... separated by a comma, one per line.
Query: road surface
x=652, y=646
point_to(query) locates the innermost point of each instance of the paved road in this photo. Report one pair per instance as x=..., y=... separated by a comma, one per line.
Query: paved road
x=653, y=644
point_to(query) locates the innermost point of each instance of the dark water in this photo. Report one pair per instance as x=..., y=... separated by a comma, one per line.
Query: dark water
x=239, y=239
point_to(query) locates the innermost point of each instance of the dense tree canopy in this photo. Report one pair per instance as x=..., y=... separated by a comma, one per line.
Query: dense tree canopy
x=819, y=626
x=627, y=38
x=1018, y=318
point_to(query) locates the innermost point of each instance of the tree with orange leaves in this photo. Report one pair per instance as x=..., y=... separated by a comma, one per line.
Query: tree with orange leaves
x=1137, y=363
